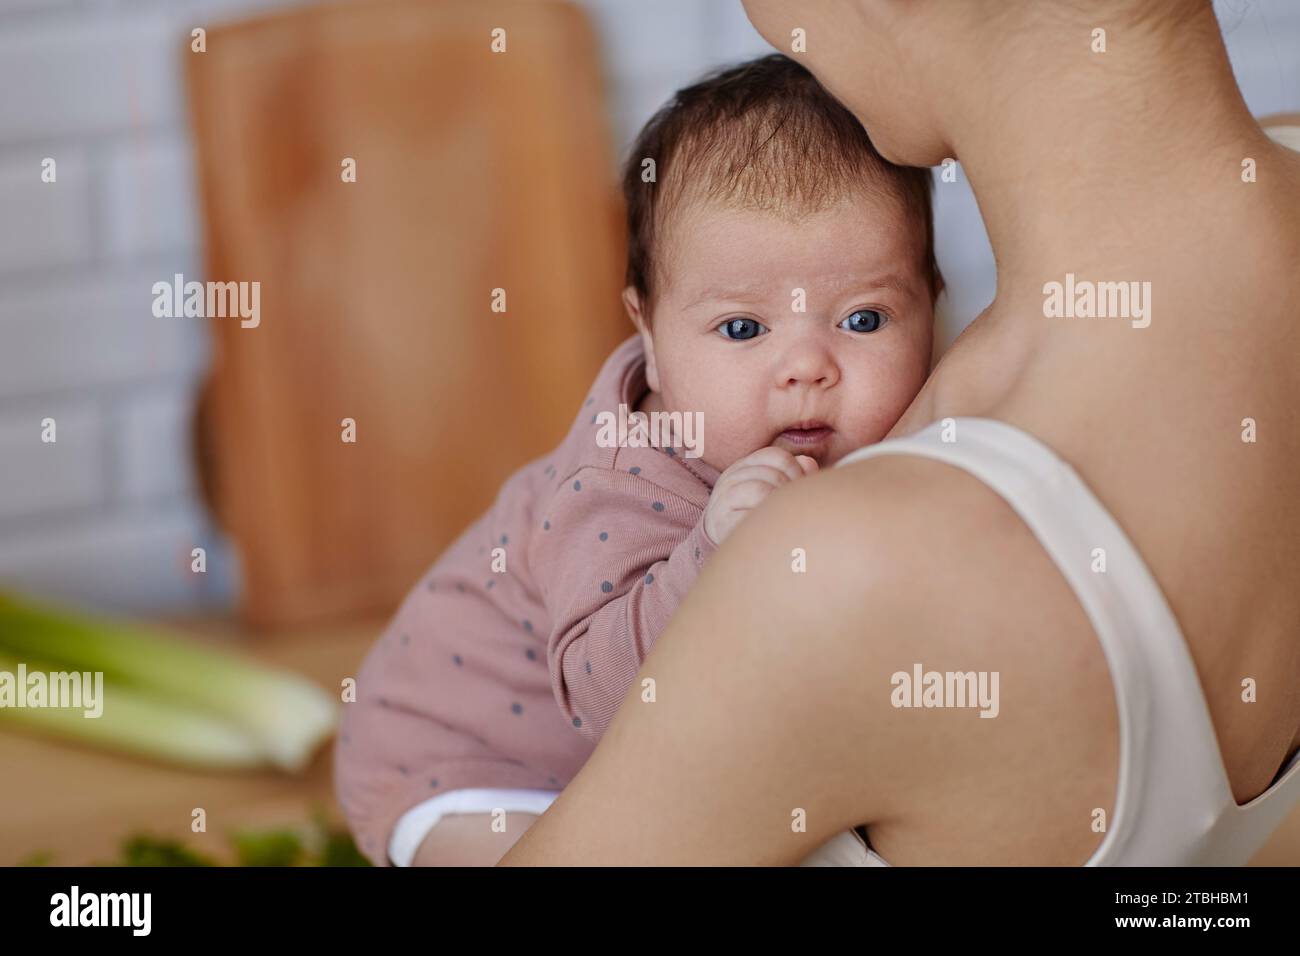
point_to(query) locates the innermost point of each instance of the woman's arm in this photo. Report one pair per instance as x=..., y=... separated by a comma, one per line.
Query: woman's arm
x=770, y=701
x=773, y=692
x=738, y=736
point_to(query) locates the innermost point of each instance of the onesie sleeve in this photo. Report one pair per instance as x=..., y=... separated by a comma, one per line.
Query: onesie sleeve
x=616, y=555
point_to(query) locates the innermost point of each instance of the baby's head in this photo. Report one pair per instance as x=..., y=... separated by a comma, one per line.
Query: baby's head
x=780, y=272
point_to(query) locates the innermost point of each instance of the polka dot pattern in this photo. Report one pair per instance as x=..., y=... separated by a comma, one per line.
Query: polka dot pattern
x=495, y=657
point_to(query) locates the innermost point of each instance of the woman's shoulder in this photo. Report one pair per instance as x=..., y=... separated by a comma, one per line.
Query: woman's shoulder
x=970, y=647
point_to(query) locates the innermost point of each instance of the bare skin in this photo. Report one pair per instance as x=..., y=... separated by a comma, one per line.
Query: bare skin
x=773, y=687
x=467, y=839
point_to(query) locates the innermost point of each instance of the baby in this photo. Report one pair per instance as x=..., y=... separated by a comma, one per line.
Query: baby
x=781, y=279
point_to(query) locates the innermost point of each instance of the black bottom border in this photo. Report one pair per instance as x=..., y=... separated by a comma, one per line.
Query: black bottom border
x=332, y=906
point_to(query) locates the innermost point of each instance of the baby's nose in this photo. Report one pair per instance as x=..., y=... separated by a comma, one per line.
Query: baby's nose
x=809, y=365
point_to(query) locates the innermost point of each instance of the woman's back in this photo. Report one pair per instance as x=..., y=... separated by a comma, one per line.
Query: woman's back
x=1187, y=429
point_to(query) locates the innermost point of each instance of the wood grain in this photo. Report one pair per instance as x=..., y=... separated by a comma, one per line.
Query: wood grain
x=475, y=171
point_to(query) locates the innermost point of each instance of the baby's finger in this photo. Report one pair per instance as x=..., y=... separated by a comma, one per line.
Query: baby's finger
x=748, y=494
x=807, y=463
x=775, y=457
x=765, y=473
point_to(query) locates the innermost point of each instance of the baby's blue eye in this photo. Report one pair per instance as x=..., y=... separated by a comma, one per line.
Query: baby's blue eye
x=863, y=320
x=740, y=329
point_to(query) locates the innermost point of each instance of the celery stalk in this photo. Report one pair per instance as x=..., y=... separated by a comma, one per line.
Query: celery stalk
x=283, y=715
x=139, y=724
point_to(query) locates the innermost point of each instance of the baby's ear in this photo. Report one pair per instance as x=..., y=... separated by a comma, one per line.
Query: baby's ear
x=632, y=303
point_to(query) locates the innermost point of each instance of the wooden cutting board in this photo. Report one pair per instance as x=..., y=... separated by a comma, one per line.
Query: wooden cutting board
x=475, y=171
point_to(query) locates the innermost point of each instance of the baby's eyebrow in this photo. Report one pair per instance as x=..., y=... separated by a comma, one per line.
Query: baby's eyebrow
x=725, y=295
x=838, y=285
x=892, y=281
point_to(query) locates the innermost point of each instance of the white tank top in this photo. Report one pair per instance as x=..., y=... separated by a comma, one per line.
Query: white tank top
x=1288, y=136
x=1174, y=804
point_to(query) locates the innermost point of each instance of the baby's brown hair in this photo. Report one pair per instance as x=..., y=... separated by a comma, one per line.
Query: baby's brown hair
x=765, y=135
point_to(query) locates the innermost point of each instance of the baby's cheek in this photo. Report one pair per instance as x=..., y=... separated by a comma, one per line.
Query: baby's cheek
x=869, y=429
x=882, y=402
x=725, y=448
x=732, y=427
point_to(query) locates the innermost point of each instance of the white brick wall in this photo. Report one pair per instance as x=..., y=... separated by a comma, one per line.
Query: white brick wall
x=108, y=514
x=151, y=426
x=90, y=335
x=44, y=223
x=64, y=474
x=84, y=72
x=652, y=49
x=122, y=560
x=142, y=180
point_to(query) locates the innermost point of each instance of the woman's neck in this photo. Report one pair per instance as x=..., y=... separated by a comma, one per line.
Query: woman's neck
x=1062, y=171
x=1068, y=182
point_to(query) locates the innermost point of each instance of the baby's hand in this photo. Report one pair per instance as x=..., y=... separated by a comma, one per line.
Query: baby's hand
x=746, y=483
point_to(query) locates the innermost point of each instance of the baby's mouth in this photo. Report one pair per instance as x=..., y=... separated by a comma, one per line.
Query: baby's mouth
x=806, y=437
